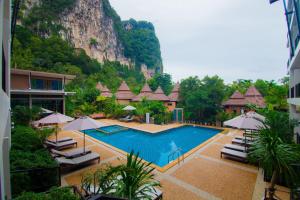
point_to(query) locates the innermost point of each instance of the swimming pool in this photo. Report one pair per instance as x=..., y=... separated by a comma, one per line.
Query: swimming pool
x=158, y=147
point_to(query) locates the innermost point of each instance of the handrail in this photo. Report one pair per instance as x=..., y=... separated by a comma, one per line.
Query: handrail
x=173, y=153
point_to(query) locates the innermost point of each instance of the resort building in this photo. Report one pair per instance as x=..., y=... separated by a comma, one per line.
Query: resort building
x=174, y=97
x=124, y=94
x=146, y=93
x=43, y=89
x=104, y=91
x=238, y=102
x=159, y=95
x=5, y=123
x=293, y=63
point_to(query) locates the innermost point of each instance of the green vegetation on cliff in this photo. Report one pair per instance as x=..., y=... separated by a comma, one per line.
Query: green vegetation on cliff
x=138, y=38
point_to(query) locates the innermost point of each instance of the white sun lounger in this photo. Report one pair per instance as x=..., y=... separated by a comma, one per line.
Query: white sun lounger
x=242, y=142
x=243, y=138
x=78, y=160
x=60, y=140
x=61, y=145
x=234, y=154
x=235, y=147
x=71, y=153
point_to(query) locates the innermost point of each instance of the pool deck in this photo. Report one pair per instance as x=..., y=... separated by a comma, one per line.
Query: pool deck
x=202, y=175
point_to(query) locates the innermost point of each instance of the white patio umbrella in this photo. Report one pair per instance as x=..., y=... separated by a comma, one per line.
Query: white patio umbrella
x=250, y=120
x=129, y=108
x=82, y=124
x=46, y=111
x=55, y=118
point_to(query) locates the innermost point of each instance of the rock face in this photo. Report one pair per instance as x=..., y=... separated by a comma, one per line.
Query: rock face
x=88, y=27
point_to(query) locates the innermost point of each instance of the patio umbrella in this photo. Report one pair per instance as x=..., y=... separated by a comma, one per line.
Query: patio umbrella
x=250, y=120
x=55, y=118
x=46, y=111
x=82, y=124
x=129, y=108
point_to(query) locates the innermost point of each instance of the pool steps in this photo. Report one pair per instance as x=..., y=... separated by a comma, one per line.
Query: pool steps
x=109, y=133
x=178, y=152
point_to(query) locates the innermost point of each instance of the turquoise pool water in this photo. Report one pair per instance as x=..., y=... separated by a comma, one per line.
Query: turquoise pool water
x=156, y=148
x=112, y=129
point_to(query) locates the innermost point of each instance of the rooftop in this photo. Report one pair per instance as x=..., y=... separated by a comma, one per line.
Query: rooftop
x=103, y=90
x=42, y=74
x=174, y=96
x=124, y=93
x=252, y=96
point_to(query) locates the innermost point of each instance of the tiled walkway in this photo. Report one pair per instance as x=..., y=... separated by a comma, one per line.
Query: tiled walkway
x=202, y=175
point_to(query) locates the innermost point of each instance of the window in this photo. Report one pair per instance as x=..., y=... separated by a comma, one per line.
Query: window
x=292, y=94
x=37, y=84
x=298, y=90
x=56, y=85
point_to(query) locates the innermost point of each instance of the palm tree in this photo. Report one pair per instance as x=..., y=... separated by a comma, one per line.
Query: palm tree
x=136, y=180
x=133, y=180
x=273, y=154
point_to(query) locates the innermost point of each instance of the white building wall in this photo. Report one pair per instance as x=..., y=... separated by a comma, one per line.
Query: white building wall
x=5, y=124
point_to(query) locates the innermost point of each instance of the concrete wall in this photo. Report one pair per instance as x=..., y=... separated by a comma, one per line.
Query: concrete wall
x=235, y=109
x=123, y=102
x=170, y=105
x=19, y=82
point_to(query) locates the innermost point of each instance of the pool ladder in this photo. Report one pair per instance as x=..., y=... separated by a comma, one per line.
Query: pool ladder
x=177, y=152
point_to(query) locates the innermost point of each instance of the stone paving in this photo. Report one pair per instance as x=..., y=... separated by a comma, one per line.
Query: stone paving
x=202, y=175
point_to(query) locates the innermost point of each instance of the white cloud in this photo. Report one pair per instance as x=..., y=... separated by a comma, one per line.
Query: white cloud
x=231, y=38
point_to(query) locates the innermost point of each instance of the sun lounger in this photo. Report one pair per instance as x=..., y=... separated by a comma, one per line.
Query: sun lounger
x=236, y=147
x=247, y=138
x=125, y=118
x=61, y=145
x=234, y=154
x=128, y=120
x=242, y=142
x=71, y=153
x=60, y=140
x=156, y=195
x=78, y=160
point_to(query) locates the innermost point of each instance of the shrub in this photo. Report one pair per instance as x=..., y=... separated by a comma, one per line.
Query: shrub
x=23, y=115
x=32, y=167
x=55, y=193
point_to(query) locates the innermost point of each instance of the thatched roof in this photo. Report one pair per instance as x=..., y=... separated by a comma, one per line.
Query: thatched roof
x=146, y=92
x=174, y=96
x=124, y=92
x=104, y=91
x=159, y=95
x=252, y=96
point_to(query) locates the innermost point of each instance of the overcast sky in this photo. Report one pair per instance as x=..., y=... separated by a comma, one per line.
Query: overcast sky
x=234, y=39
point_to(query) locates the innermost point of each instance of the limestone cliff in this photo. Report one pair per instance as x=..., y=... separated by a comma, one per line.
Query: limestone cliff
x=88, y=27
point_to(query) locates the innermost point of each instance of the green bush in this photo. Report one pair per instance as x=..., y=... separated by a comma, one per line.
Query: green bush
x=26, y=156
x=23, y=115
x=54, y=193
x=25, y=139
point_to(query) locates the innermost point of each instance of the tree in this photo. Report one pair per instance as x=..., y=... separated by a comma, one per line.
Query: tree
x=272, y=152
x=202, y=99
x=163, y=80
